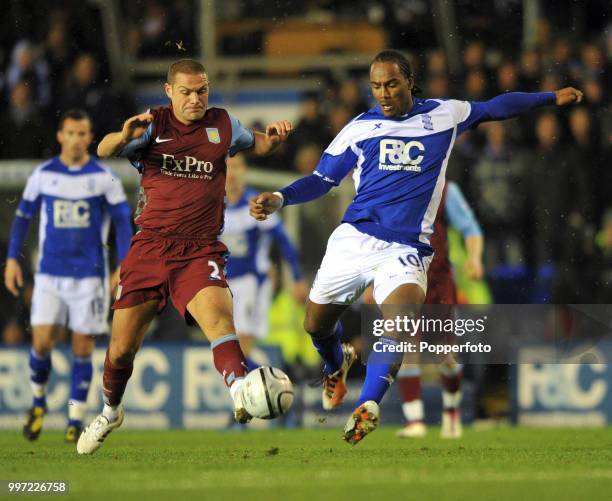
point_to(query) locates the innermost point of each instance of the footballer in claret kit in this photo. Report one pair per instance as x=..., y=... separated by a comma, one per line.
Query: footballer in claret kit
x=180, y=151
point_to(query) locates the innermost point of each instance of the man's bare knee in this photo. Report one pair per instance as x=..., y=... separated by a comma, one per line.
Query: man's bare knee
x=406, y=294
x=218, y=326
x=123, y=354
x=320, y=320
x=42, y=347
x=129, y=328
x=82, y=344
x=43, y=338
x=212, y=310
x=314, y=326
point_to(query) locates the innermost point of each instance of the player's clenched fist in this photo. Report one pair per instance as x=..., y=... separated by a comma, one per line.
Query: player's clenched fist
x=264, y=204
x=568, y=95
x=135, y=127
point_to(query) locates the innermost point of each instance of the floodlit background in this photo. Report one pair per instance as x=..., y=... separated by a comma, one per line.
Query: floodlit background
x=539, y=185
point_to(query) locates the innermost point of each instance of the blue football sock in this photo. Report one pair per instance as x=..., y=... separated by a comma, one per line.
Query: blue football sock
x=251, y=364
x=40, y=367
x=39, y=401
x=330, y=349
x=80, y=378
x=380, y=373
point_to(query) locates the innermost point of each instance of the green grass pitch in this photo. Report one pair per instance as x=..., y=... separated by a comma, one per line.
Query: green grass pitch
x=496, y=464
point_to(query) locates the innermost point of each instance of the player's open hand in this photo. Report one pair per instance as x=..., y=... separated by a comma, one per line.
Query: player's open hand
x=13, y=276
x=568, y=95
x=135, y=127
x=278, y=132
x=299, y=291
x=474, y=268
x=263, y=205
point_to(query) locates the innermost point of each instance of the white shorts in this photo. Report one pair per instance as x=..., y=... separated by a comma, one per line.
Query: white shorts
x=251, y=305
x=80, y=303
x=354, y=260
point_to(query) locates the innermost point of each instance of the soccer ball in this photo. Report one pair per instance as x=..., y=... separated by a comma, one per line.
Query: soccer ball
x=267, y=393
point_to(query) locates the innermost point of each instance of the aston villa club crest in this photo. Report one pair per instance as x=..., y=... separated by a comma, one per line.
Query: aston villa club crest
x=213, y=135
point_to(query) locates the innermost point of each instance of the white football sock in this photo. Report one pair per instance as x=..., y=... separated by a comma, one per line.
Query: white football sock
x=76, y=410
x=110, y=412
x=38, y=390
x=413, y=411
x=451, y=400
x=235, y=387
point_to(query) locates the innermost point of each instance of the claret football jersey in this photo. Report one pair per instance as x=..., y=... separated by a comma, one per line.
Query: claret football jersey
x=183, y=172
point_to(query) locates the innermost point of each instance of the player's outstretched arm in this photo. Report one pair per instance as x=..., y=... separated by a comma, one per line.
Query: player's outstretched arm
x=512, y=104
x=276, y=133
x=133, y=128
x=303, y=190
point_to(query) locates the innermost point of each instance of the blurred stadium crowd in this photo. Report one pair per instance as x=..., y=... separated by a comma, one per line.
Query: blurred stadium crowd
x=539, y=185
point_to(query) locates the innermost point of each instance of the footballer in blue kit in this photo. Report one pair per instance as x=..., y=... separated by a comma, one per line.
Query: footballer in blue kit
x=398, y=152
x=248, y=266
x=77, y=197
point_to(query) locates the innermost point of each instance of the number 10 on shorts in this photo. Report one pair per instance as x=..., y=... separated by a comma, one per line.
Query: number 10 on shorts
x=413, y=260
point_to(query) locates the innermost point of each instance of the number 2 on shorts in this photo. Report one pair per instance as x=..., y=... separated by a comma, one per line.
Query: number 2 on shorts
x=215, y=270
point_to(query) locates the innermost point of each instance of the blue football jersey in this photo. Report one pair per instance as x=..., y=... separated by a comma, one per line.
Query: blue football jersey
x=399, y=168
x=75, y=214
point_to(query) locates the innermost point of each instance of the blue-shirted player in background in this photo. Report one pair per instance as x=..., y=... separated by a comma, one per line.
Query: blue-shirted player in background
x=398, y=152
x=248, y=266
x=77, y=197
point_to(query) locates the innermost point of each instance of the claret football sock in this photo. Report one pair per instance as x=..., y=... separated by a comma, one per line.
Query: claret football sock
x=451, y=385
x=330, y=349
x=40, y=367
x=229, y=359
x=409, y=381
x=380, y=373
x=114, y=381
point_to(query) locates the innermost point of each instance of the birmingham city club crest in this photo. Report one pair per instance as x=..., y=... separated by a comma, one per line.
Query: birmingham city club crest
x=213, y=135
